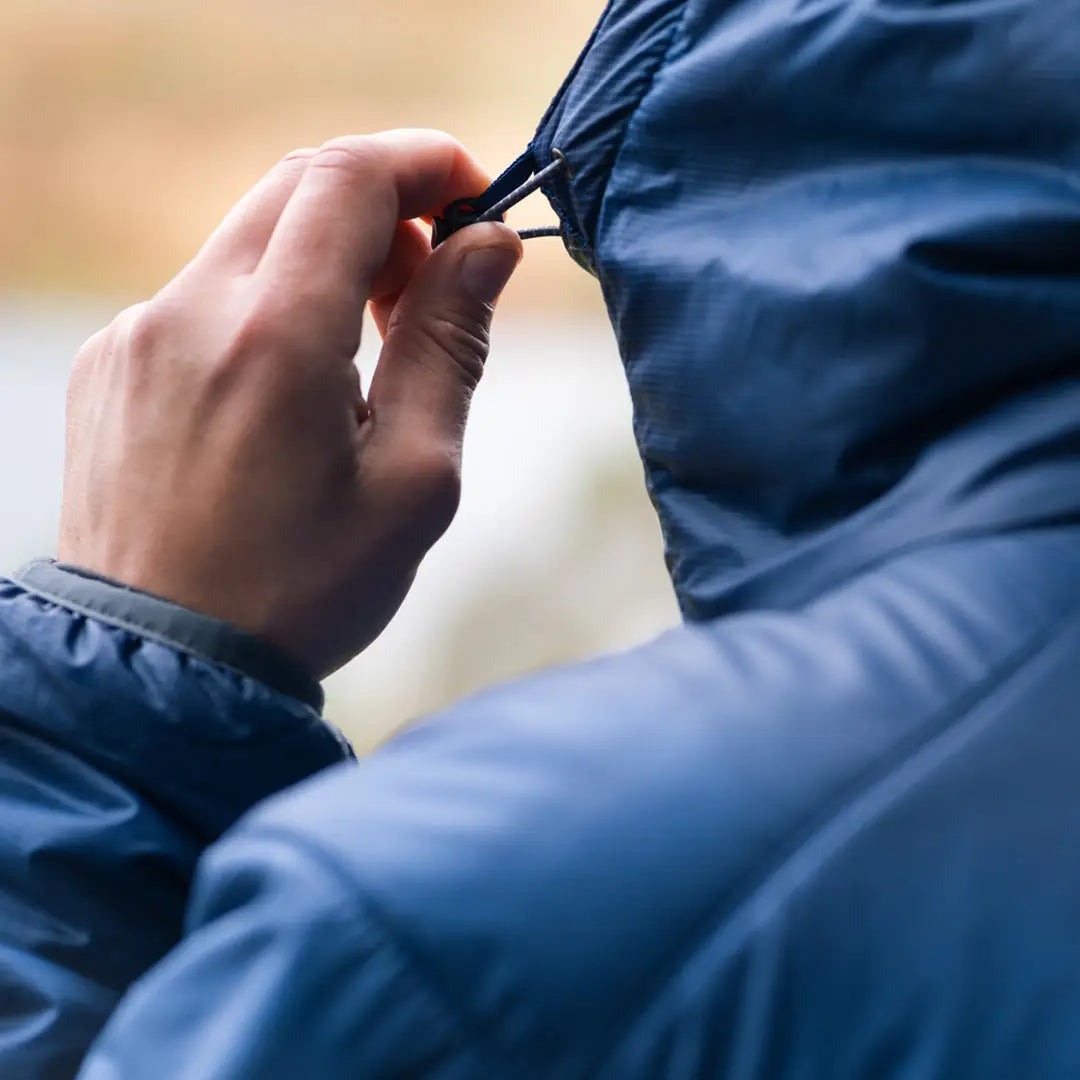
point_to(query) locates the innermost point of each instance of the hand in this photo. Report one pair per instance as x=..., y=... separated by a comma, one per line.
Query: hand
x=220, y=453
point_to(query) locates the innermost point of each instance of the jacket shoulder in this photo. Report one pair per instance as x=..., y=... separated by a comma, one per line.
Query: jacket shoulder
x=564, y=858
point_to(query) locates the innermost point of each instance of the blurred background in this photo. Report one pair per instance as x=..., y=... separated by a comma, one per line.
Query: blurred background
x=128, y=128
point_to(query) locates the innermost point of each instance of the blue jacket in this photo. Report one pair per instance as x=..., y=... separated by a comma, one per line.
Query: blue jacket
x=132, y=735
x=824, y=829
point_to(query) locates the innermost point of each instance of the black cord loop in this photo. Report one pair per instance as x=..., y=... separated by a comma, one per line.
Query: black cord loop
x=465, y=212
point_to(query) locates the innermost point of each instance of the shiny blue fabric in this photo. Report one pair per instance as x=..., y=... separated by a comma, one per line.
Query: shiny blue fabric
x=831, y=236
x=826, y=829
x=121, y=759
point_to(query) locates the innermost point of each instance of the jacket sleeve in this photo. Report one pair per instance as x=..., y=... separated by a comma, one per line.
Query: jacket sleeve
x=132, y=734
x=750, y=848
x=287, y=971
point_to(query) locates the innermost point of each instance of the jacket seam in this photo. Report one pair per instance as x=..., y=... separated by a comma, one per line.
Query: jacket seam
x=749, y=594
x=818, y=822
x=149, y=633
x=193, y=832
x=573, y=228
x=678, y=25
x=678, y=21
x=551, y=116
x=425, y=978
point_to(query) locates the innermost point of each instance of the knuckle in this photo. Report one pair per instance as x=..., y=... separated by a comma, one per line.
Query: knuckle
x=147, y=328
x=441, y=491
x=431, y=474
x=441, y=476
x=82, y=370
x=358, y=157
x=87, y=356
x=363, y=166
x=282, y=326
x=97, y=350
x=257, y=331
x=305, y=153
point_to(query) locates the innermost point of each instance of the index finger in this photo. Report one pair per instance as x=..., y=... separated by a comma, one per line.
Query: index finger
x=338, y=227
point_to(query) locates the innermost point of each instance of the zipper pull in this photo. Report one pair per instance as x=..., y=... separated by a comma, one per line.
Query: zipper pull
x=517, y=183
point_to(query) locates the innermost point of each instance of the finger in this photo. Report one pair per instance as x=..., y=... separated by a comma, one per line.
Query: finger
x=239, y=242
x=410, y=250
x=437, y=345
x=337, y=229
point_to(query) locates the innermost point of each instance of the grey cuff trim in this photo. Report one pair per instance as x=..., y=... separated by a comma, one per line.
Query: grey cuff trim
x=170, y=624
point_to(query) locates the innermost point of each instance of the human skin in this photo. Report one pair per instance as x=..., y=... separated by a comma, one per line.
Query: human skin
x=220, y=452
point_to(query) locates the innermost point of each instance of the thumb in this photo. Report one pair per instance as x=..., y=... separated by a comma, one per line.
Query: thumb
x=437, y=341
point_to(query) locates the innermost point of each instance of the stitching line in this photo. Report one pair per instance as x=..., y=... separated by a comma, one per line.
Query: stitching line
x=569, y=221
x=149, y=634
x=679, y=24
x=678, y=16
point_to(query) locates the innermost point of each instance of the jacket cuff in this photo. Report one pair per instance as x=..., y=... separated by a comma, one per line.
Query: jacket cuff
x=170, y=624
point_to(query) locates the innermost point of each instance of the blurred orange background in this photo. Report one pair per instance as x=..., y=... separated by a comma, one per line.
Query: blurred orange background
x=128, y=128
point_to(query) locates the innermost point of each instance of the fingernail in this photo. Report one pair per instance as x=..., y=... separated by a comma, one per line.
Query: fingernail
x=485, y=272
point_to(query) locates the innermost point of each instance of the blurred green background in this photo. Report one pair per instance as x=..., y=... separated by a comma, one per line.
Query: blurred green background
x=128, y=127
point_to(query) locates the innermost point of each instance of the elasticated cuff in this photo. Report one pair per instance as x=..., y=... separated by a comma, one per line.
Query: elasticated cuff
x=170, y=624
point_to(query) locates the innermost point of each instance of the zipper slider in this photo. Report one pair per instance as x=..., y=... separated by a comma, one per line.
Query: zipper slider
x=517, y=183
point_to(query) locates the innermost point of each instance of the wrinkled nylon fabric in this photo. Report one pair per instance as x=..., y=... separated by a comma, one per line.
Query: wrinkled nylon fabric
x=121, y=759
x=828, y=844
x=826, y=828
x=830, y=235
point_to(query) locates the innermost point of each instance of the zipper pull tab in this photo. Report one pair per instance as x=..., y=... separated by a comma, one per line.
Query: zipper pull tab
x=517, y=183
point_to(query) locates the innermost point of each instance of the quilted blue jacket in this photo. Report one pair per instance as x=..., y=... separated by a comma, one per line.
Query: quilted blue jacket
x=825, y=829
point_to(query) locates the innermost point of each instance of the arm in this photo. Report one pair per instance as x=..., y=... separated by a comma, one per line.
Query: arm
x=237, y=522
x=751, y=848
x=286, y=973
x=132, y=735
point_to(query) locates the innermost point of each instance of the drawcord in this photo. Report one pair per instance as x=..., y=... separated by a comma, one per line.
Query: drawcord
x=466, y=212
x=543, y=230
